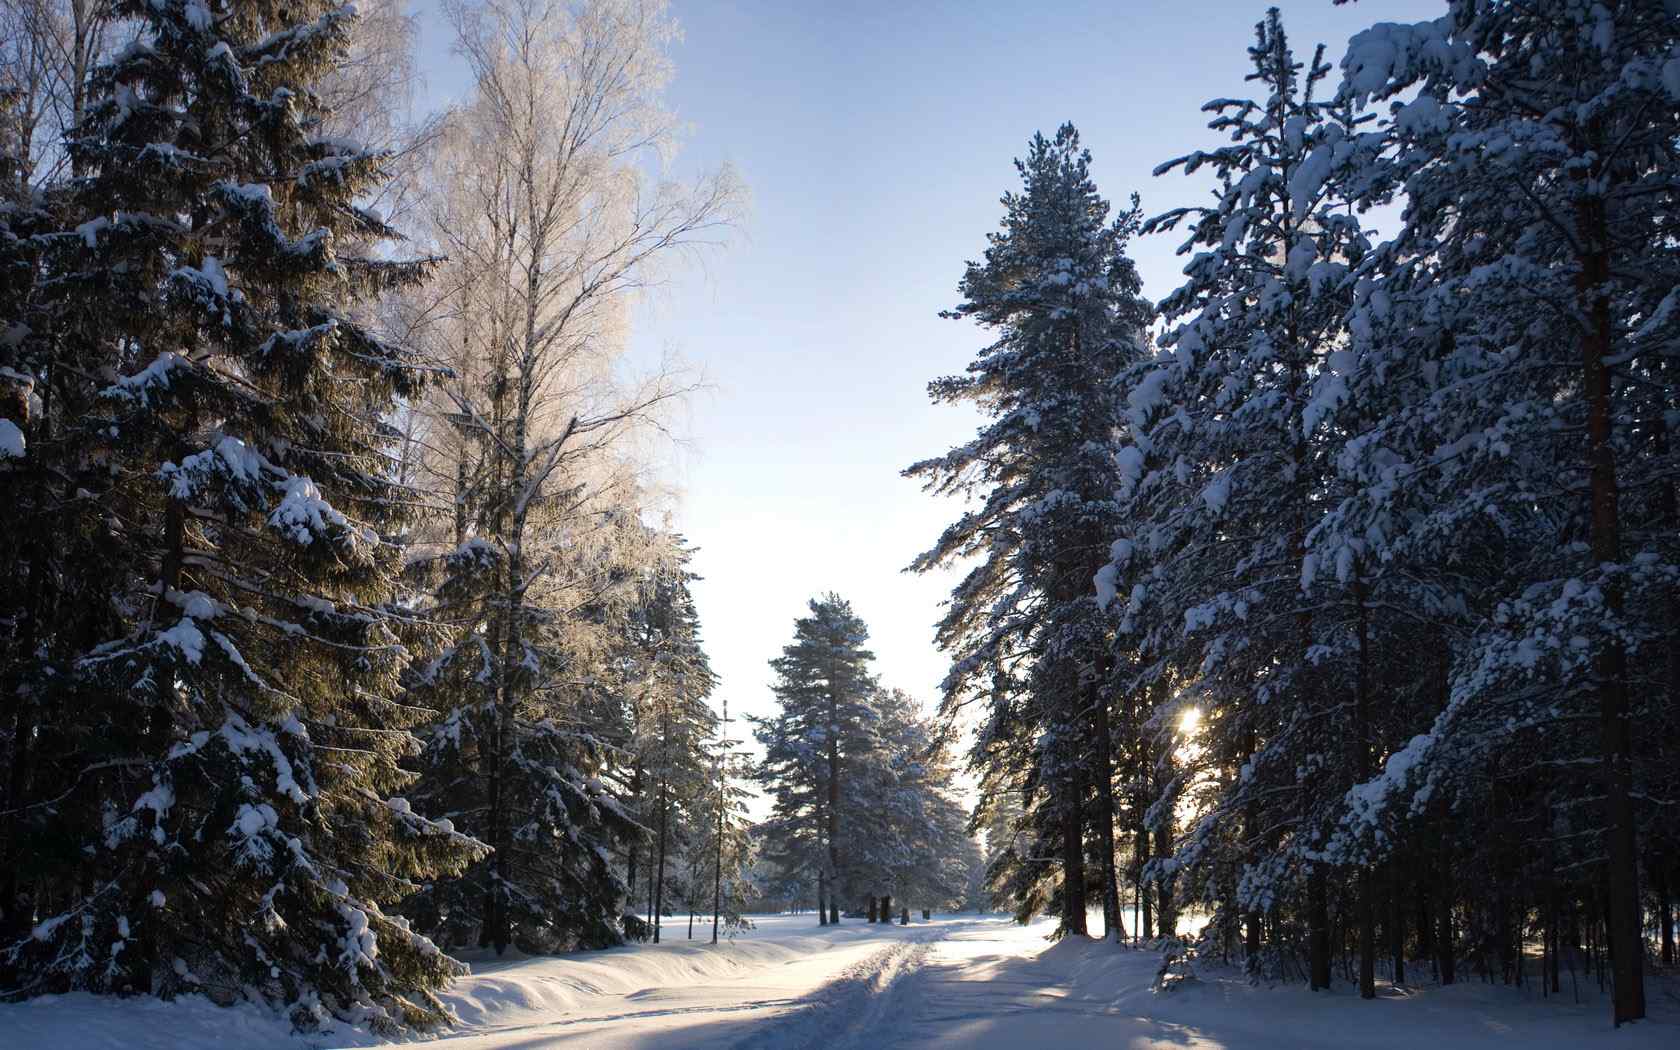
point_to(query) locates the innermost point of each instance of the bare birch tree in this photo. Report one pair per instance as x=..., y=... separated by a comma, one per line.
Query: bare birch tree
x=546, y=197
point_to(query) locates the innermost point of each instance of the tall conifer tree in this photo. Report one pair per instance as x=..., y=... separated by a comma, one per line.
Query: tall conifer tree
x=235, y=804
x=1023, y=629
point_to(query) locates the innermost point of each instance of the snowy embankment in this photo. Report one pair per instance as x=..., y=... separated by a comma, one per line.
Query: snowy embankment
x=785, y=957
x=1086, y=993
x=970, y=982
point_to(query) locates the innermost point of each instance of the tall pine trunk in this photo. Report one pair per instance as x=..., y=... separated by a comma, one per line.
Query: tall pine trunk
x=1397, y=919
x=717, y=868
x=823, y=888
x=1253, y=922
x=659, y=872
x=1073, y=848
x=1146, y=892
x=1622, y=920
x=1318, y=928
x=1444, y=916
x=492, y=930
x=833, y=800
x=1166, y=902
x=1665, y=909
x=1361, y=771
x=1114, y=927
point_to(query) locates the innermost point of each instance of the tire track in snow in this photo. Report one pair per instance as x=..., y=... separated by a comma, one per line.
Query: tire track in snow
x=852, y=1009
x=745, y=1006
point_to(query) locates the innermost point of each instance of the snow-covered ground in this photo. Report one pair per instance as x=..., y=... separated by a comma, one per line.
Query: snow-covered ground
x=956, y=981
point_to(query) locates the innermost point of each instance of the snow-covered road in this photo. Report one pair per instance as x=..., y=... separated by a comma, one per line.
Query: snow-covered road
x=953, y=982
x=786, y=985
x=989, y=984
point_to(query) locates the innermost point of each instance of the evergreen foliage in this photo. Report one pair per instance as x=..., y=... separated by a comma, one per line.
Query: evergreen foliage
x=225, y=809
x=1389, y=614
x=859, y=790
x=1023, y=629
x=265, y=716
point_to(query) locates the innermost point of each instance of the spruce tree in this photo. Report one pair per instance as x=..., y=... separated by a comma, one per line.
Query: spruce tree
x=35, y=514
x=825, y=726
x=915, y=845
x=727, y=842
x=234, y=795
x=523, y=751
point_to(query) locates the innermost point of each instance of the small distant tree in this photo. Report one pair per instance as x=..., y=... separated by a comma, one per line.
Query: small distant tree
x=826, y=722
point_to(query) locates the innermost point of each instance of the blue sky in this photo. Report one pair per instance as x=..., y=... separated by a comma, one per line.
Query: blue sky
x=876, y=139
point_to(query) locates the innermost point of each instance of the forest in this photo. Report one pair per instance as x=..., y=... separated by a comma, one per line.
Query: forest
x=1345, y=611
x=1317, y=622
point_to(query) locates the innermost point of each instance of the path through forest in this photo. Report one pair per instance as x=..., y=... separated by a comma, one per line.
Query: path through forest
x=979, y=982
x=987, y=983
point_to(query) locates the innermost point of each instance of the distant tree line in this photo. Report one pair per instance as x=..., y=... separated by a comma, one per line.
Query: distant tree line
x=863, y=806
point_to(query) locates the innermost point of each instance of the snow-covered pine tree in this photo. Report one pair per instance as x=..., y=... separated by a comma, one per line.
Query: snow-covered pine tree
x=525, y=752
x=1023, y=630
x=1518, y=329
x=673, y=728
x=911, y=839
x=722, y=852
x=826, y=724
x=1222, y=483
x=30, y=553
x=233, y=797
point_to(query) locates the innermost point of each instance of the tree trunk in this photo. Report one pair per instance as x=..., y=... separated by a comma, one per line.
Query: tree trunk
x=650, y=882
x=723, y=788
x=874, y=914
x=1073, y=852
x=1146, y=891
x=1361, y=772
x=822, y=902
x=1167, y=905
x=886, y=909
x=635, y=843
x=1623, y=918
x=1425, y=925
x=1444, y=918
x=833, y=797
x=1318, y=928
x=504, y=631
x=489, y=927
x=1554, y=939
x=1661, y=866
x=1397, y=919
x=659, y=874
x=1112, y=925
x=1665, y=909
x=1254, y=922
